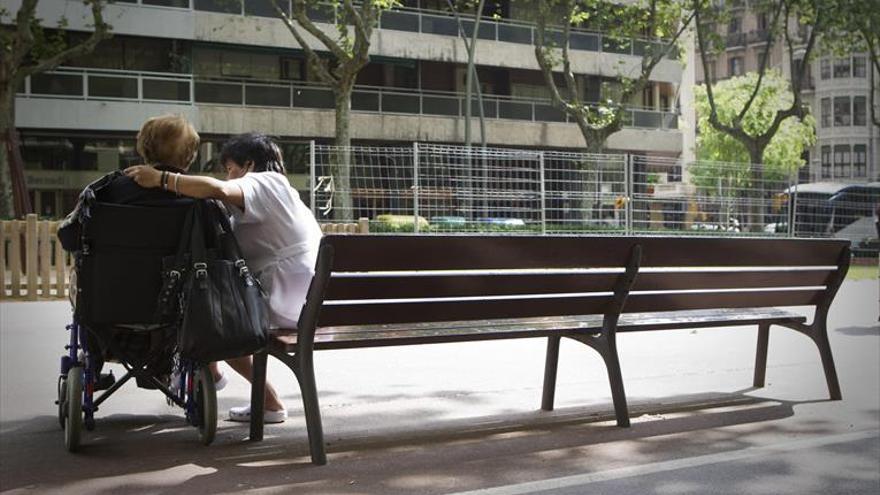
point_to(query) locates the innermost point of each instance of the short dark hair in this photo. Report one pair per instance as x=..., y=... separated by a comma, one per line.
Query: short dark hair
x=256, y=147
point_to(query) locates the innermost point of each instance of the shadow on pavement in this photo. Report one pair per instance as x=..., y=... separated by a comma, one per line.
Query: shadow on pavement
x=161, y=454
x=861, y=331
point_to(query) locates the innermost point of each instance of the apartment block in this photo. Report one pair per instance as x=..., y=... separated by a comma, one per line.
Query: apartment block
x=233, y=69
x=837, y=90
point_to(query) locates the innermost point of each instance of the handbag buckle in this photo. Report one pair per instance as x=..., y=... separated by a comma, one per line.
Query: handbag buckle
x=174, y=274
x=201, y=270
x=242, y=268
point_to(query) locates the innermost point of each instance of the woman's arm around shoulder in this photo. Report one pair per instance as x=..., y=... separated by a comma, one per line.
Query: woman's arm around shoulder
x=193, y=186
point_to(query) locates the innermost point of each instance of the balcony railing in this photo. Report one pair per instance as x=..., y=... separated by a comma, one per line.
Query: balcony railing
x=735, y=40
x=187, y=89
x=758, y=36
x=511, y=31
x=438, y=22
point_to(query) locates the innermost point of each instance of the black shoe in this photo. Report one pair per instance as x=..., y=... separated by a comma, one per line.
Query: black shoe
x=105, y=381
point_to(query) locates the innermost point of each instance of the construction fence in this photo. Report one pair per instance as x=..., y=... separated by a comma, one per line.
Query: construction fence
x=426, y=188
x=429, y=188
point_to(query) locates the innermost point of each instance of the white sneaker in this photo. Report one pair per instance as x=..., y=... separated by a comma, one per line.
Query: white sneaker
x=242, y=414
x=221, y=383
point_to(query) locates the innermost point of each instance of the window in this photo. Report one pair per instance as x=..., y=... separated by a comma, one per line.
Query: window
x=860, y=160
x=763, y=21
x=825, y=68
x=860, y=110
x=826, y=162
x=841, y=111
x=826, y=112
x=264, y=8
x=841, y=160
x=292, y=68
x=841, y=67
x=859, y=67
x=184, y=4
x=224, y=6
x=735, y=25
x=734, y=66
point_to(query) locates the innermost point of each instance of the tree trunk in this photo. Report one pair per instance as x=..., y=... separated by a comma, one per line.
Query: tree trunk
x=755, y=194
x=7, y=124
x=341, y=167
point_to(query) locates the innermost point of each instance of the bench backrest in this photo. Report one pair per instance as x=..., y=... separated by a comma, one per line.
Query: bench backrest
x=680, y=273
x=401, y=279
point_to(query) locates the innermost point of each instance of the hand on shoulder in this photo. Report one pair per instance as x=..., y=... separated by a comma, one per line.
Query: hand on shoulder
x=144, y=175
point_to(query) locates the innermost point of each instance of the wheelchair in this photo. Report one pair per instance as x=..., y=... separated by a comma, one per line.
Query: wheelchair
x=115, y=295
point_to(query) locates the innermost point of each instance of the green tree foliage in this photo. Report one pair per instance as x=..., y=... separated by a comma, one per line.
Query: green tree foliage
x=654, y=27
x=783, y=154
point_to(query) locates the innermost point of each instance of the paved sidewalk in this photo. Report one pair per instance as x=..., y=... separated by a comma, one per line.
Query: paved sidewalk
x=465, y=418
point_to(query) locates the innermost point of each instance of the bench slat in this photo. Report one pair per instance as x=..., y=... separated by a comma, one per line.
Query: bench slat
x=466, y=285
x=457, y=252
x=477, y=285
x=392, y=312
x=345, y=337
x=671, y=302
x=748, y=279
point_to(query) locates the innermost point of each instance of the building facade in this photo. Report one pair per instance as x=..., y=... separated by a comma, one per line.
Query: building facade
x=233, y=69
x=837, y=90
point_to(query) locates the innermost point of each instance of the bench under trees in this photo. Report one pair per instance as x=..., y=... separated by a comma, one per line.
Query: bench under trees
x=371, y=291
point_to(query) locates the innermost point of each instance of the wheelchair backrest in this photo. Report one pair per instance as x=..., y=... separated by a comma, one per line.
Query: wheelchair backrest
x=120, y=266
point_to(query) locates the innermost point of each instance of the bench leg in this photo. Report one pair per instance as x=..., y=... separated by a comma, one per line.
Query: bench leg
x=612, y=363
x=820, y=337
x=258, y=393
x=761, y=356
x=313, y=412
x=550, y=367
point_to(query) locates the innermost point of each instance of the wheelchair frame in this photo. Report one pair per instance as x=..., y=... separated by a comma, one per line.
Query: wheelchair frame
x=77, y=404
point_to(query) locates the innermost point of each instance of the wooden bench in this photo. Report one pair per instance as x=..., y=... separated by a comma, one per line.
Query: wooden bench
x=372, y=291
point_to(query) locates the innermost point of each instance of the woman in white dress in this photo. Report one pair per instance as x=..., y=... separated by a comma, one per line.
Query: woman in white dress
x=278, y=234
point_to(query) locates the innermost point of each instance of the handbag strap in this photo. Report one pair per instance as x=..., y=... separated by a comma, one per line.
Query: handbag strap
x=198, y=252
x=226, y=227
x=229, y=244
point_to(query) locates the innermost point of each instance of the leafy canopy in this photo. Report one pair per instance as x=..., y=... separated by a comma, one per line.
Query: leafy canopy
x=783, y=155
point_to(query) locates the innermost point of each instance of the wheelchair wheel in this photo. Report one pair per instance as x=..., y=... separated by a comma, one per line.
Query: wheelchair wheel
x=73, y=416
x=206, y=404
x=62, y=400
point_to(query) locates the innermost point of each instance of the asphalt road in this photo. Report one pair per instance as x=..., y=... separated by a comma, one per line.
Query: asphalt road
x=465, y=418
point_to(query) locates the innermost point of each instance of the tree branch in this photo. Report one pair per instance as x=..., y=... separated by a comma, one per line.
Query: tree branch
x=570, y=82
x=735, y=132
x=102, y=31
x=363, y=22
x=650, y=62
x=762, y=66
x=23, y=42
x=319, y=64
x=544, y=63
x=299, y=13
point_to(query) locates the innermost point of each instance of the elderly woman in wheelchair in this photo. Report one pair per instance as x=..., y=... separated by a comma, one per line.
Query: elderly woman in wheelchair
x=120, y=233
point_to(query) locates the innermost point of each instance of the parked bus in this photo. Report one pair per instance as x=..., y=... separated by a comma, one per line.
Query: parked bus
x=825, y=209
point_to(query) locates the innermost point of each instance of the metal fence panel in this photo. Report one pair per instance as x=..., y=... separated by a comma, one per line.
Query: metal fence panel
x=444, y=188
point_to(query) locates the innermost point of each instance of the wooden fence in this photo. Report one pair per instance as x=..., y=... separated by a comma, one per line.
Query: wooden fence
x=34, y=266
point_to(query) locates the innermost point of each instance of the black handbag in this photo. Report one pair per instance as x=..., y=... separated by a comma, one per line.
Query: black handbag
x=223, y=312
